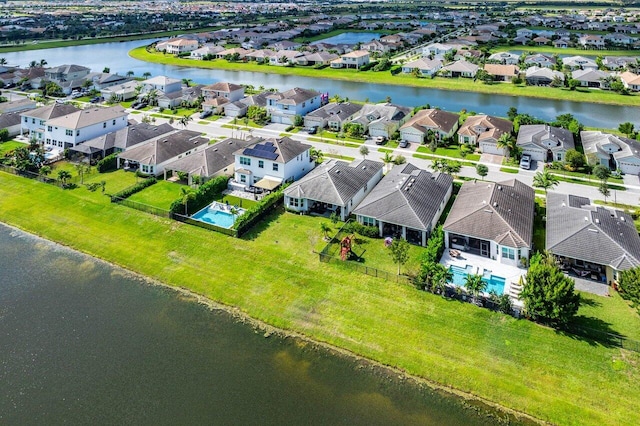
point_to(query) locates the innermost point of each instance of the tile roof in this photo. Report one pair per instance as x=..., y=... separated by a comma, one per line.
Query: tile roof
x=335, y=182
x=500, y=212
x=407, y=196
x=485, y=127
x=594, y=234
x=432, y=119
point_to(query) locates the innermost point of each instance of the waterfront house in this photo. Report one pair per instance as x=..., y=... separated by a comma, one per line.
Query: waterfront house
x=161, y=84
x=34, y=121
x=230, y=91
x=66, y=73
x=260, y=55
x=151, y=156
x=537, y=76
x=506, y=58
x=545, y=143
x=493, y=220
x=630, y=80
x=590, y=241
x=611, y=151
x=356, y=59
x=579, y=62
x=284, y=106
x=212, y=161
x=442, y=123
x=334, y=186
x=619, y=62
x=381, y=119
x=460, y=68
x=316, y=59
x=540, y=60
x=426, y=67
x=205, y=51
x=179, y=46
x=285, y=57
x=267, y=163
x=407, y=203
x=484, y=131
x=591, y=78
x=502, y=72
x=333, y=115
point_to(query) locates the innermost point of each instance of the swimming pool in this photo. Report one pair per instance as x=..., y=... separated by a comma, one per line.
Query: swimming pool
x=218, y=214
x=494, y=282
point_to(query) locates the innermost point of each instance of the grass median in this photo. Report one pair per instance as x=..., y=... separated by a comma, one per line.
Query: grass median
x=272, y=275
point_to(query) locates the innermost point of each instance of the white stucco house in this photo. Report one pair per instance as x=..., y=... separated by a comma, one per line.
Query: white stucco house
x=545, y=143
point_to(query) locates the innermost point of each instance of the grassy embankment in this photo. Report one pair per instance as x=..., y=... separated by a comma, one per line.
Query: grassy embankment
x=570, y=51
x=384, y=77
x=273, y=276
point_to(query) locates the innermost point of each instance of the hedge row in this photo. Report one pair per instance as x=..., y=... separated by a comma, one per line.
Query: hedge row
x=249, y=217
x=202, y=196
x=128, y=192
x=110, y=162
x=364, y=230
x=435, y=246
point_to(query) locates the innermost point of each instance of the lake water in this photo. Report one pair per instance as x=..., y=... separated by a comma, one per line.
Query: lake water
x=115, y=56
x=85, y=343
x=350, y=38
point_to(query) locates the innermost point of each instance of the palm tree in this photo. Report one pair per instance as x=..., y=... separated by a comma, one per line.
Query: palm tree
x=234, y=212
x=152, y=97
x=431, y=140
x=387, y=159
x=317, y=155
x=545, y=180
x=184, y=121
x=3, y=61
x=130, y=73
x=33, y=64
x=475, y=285
x=509, y=143
x=441, y=276
x=64, y=175
x=186, y=195
x=186, y=81
x=146, y=75
x=43, y=62
x=325, y=230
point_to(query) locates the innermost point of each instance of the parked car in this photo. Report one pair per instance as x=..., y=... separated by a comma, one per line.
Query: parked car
x=525, y=162
x=312, y=130
x=379, y=140
x=403, y=144
x=138, y=105
x=205, y=114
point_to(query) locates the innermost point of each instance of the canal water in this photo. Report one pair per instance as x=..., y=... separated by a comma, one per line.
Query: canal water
x=82, y=342
x=115, y=57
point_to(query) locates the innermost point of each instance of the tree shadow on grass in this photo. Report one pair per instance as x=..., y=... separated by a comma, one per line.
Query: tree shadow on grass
x=263, y=224
x=593, y=331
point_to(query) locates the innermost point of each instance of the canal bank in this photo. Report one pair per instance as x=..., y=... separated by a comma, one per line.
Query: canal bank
x=272, y=275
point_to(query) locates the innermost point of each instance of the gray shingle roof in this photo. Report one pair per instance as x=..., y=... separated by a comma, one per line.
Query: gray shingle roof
x=294, y=96
x=538, y=133
x=129, y=136
x=48, y=112
x=9, y=119
x=165, y=147
x=594, y=234
x=335, y=182
x=406, y=196
x=500, y=212
x=211, y=160
x=341, y=111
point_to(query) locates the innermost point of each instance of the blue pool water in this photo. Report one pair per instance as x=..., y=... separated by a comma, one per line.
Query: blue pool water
x=213, y=215
x=494, y=283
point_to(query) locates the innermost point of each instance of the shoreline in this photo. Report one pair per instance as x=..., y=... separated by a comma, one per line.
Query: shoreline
x=446, y=84
x=268, y=330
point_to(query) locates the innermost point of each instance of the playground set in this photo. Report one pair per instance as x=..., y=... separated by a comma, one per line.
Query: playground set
x=346, y=249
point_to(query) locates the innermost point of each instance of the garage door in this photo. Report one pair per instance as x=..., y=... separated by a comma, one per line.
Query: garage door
x=411, y=137
x=629, y=168
x=535, y=154
x=491, y=148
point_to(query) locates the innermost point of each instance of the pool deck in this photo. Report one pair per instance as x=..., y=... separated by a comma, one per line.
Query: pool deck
x=511, y=274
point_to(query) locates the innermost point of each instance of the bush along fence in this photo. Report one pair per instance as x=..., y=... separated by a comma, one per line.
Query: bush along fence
x=129, y=191
x=201, y=197
x=252, y=215
x=108, y=163
x=31, y=175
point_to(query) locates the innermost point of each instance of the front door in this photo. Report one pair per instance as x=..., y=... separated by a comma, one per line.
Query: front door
x=484, y=249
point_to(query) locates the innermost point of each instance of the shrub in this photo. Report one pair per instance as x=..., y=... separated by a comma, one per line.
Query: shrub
x=4, y=135
x=110, y=162
x=250, y=216
x=364, y=230
x=128, y=192
x=435, y=246
x=206, y=193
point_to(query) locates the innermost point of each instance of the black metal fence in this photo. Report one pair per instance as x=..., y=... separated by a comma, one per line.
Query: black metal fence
x=208, y=226
x=364, y=269
x=31, y=175
x=141, y=207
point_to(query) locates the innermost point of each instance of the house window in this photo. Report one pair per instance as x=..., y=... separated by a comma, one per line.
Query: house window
x=104, y=125
x=559, y=156
x=245, y=161
x=33, y=121
x=26, y=119
x=275, y=167
x=260, y=164
x=42, y=122
x=294, y=202
x=243, y=178
x=49, y=128
x=68, y=132
x=77, y=132
x=114, y=122
x=508, y=253
x=369, y=221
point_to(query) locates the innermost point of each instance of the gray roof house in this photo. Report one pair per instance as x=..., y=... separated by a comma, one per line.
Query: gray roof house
x=592, y=241
x=493, y=220
x=239, y=108
x=614, y=152
x=214, y=160
x=150, y=157
x=332, y=115
x=11, y=121
x=408, y=202
x=540, y=76
x=335, y=186
x=121, y=140
x=381, y=119
x=544, y=142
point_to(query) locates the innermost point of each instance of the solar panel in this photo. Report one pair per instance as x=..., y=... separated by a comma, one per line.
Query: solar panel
x=266, y=147
x=259, y=153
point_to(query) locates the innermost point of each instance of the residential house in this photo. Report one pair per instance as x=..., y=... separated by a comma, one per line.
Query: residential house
x=579, y=62
x=523, y=40
x=506, y=58
x=162, y=84
x=630, y=80
x=502, y=72
x=12, y=122
x=375, y=46
x=560, y=43
x=22, y=104
x=619, y=62
x=212, y=161
x=76, y=127
x=230, y=91
x=407, y=203
x=205, y=52
x=545, y=143
x=268, y=163
x=261, y=55
x=34, y=121
x=335, y=186
x=152, y=156
x=537, y=76
x=611, y=151
x=285, y=57
x=484, y=131
x=541, y=41
x=592, y=78
x=239, y=108
x=439, y=50
x=66, y=73
x=122, y=92
x=540, y=60
x=592, y=242
x=460, y=68
x=316, y=59
x=181, y=45
x=121, y=140
x=284, y=45
x=493, y=220
x=619, y=39
x=425, y=67
x=442, y=123
x=284, y=106
x=188, y=95
x=333, y=115
x=590, y=41
x=356, y=59
x=101, y=80
x=381, y=119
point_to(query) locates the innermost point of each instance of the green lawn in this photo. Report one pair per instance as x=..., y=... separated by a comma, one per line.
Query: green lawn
x=339, y=157
x=9, y=146
x=569, y=51
x=453, y=152
x=509, y=170
x=236, y=201
x=160, y=194
x=384, y=77
x=594, y=182
x=516, y=363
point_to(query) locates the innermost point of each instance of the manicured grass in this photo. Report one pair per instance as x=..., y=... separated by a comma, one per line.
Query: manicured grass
x=384, y=77
x=431, y=157
x=610, y=310
x=236, y=201
x=339, y=157
x=594, y=182
x=325, y=134
x=557, y=378
x=9, y=146
x=539, y=225
x=385, y=150
x=509, y=170
x=453, y=152
x=568, y=51
x=161, y=194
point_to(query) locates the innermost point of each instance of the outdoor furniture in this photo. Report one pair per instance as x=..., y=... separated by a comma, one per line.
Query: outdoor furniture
x=454, y=253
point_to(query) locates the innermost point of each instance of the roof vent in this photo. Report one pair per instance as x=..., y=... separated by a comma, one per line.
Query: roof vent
x=364, y=167
x=586, y=219
x=622, y=218
x=495, y=204
x=337, y=171
x=500, y=188
x=593, y=230
x=597, y=220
